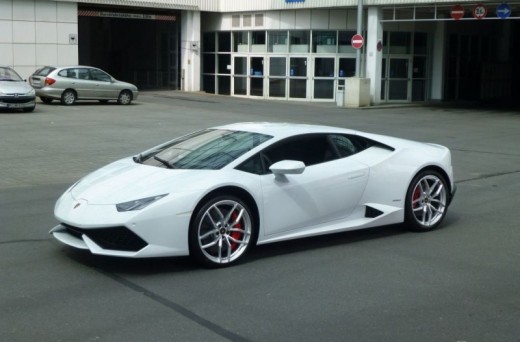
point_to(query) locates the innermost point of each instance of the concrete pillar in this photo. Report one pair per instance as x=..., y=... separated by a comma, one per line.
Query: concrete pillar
x=374, y=52
x=439, y=49
x=190, y=50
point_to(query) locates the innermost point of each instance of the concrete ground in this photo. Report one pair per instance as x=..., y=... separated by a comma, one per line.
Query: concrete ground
x=458, y=283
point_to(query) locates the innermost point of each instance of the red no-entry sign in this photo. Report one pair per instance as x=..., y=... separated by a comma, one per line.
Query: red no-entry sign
x=357, y=41
x=457, y=12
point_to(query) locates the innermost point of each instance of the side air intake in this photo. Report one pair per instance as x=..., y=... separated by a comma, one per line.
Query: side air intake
x=372, y=212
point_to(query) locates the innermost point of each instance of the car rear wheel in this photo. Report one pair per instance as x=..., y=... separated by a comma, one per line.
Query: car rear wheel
x=68, y=97
x=221, y=232
x=46, y=99
x=426, y=201
x=125, y=97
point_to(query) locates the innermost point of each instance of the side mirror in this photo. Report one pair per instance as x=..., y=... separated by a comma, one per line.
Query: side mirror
x=287, y=167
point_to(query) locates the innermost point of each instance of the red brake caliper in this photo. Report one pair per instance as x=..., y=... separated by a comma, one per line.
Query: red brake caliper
x=415, y=197
x=235, y=235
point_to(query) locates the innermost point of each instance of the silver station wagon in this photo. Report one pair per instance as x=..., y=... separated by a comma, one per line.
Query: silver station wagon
x=73, y=83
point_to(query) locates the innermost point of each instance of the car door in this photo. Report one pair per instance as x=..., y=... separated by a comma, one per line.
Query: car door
x=329, y=188
x=103, y=85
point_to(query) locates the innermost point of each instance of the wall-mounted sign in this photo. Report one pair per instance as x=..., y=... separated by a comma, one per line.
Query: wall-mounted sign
x=503, y=11
x=85, y=13
x=289, y=1
x=457, y=12
x=480, y=11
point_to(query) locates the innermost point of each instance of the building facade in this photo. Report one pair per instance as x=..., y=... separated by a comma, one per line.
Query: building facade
x=276, y=49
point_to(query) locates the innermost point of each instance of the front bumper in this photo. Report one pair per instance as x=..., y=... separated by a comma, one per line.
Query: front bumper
x=15, y=102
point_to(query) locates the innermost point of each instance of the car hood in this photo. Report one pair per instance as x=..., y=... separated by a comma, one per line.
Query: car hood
x=125, y=180
x=18, y=87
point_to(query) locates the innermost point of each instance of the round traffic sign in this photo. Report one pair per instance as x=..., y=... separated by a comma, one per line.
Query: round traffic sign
x=503, y=11
x=480, y=11
x=457, y=12
x=357, y=41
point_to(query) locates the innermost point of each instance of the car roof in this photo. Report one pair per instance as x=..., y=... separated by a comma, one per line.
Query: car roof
x=283, y=129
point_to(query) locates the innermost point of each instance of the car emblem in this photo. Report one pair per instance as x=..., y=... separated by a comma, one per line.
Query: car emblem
x=77, y=205
x=15, y=95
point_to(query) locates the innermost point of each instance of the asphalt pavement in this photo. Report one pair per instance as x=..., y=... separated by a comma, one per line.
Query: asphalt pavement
x=458, y=283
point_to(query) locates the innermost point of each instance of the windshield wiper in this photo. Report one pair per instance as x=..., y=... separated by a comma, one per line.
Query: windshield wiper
x=164, y=162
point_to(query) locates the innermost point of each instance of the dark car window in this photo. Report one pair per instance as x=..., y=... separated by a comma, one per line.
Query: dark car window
x=311, y=149
x=44, y=71
x=99, y=75
x=69, y=73
x=83, y=74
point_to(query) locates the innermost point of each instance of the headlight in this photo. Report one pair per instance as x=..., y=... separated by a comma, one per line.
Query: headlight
x=138, y=204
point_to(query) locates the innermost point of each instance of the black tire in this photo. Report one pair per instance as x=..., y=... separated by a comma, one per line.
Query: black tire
x=103, y=101
x=426, y=201
x=30, y=109
x=225, y=238
x=68, y=97
x=46, y=100
x=125, y=97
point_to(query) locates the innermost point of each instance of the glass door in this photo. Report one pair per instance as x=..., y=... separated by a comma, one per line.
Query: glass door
x=396, y=79
x=298, y=77
x=256, y=76
x=277, y=77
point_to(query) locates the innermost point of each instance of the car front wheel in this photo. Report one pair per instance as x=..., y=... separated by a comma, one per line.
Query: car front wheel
x=221, y=232
x=68, y=97
x=46, y=99
x=426, y=201
x=125, y=98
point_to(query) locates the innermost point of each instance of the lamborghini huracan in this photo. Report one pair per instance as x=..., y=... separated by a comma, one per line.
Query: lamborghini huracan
x=215, y=193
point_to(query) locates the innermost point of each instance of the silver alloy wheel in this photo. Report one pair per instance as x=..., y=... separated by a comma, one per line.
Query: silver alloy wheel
x=224, y=231
x=429, y=198
x=125, y=97
x=68, y=97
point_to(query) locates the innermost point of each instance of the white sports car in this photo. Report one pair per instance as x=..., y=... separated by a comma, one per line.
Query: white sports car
x=215, y=193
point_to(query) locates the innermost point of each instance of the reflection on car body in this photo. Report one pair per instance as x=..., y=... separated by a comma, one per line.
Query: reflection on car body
x=69, y=84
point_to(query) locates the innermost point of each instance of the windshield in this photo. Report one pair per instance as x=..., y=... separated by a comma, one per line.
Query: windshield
x=210, y=149
x=8, y=74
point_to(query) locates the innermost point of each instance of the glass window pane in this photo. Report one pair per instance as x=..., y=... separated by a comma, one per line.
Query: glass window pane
x=324, y=41
x=240, y=85
x=224, y=85
x=324, y=67
x=240, y=66
x=224, y=64
x=299, y=41
x=257, y=86
x=400, y=42
x=208, y=42
x=208, y=83
x=298, y=67
x=209, y=63
x=240, y=42
x=420, y=43
x=298, y=88
x=419, y=67
x=277, y=66
x=277, y=87
x=277, y=41
x=418, y=90
x=224, y=41
x=345, y=42
x=257, y=66
x=347, y=67
x=323, y=89
x=398, y=90
x=399, y=68
x=258, y=41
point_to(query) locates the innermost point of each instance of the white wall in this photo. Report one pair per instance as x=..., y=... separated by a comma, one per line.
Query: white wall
x=35, y=33
x=190, y=51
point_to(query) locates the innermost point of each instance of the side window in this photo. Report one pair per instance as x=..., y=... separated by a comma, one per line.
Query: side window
x=83, y=74
x=311, y=149
x=69, y=73
x=99, y=75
